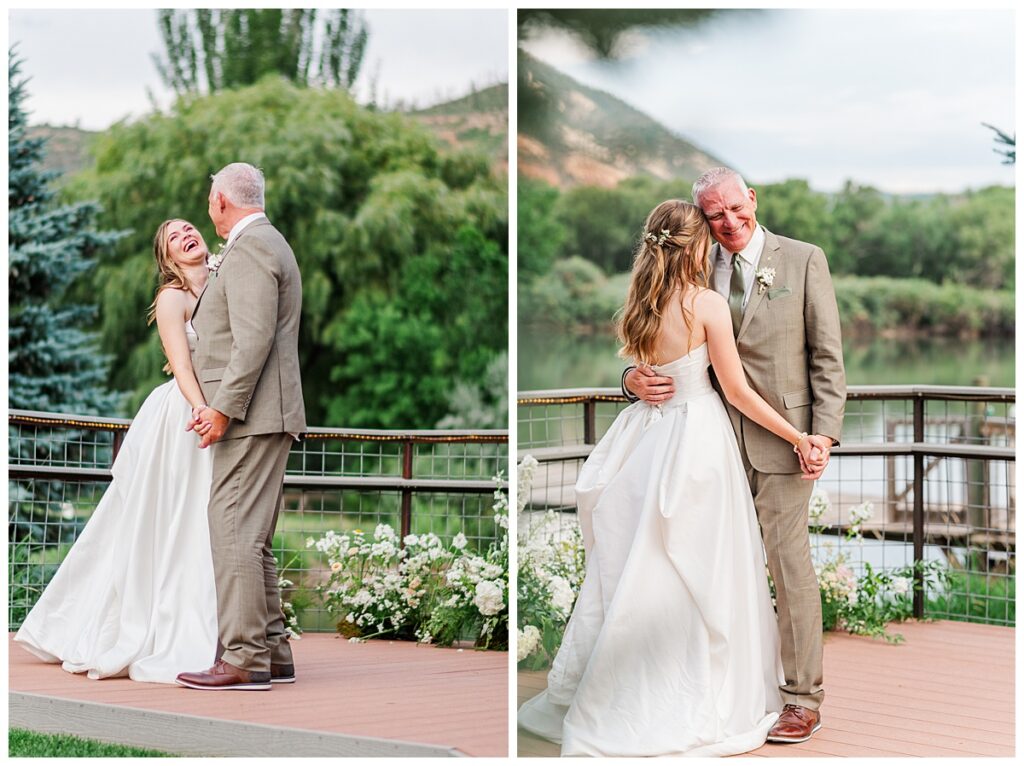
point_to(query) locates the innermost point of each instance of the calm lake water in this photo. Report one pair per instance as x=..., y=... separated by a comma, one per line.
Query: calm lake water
x=552, y=359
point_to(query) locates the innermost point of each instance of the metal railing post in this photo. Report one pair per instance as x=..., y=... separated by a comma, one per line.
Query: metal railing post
x=406, y=517
x=918, y=533
x=118, y=441
x=590, y=421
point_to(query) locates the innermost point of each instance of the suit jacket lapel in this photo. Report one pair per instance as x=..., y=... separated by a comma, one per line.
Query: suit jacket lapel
x=768, y=257
x=212, y=276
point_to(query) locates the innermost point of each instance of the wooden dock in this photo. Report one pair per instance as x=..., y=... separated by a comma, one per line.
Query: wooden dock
x=380, y=698
x=947, y=691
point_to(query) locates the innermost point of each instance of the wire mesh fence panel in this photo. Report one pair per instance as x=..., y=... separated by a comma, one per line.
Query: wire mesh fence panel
x=955, y=444
x=340, y=481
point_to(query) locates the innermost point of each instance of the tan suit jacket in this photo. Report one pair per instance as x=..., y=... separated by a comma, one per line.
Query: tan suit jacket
x=246, y=354
x=792, y=352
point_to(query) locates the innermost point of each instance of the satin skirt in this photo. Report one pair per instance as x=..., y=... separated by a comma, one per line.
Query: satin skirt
x=672, y=647
x=135, y=594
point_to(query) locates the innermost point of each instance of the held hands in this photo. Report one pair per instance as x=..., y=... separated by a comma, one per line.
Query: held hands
x=649, y=386
x=813, y=452
x=209, y=425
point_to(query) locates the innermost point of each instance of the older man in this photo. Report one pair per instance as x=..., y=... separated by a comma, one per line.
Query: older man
x=247, y=361
x=787, y=331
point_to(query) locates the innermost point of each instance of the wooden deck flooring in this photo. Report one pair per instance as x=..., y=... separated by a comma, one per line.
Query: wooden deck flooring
x=377, y=698
x=947, y=691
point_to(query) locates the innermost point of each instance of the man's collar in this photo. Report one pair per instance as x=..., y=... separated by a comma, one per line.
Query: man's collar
x=750, y=253
x=241, y=224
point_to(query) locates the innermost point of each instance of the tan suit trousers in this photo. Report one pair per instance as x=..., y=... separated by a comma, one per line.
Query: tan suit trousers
x=780, y=500
x=248, y=473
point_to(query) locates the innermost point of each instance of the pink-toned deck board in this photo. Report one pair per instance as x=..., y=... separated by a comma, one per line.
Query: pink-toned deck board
x=392, y=690
x=947, y=691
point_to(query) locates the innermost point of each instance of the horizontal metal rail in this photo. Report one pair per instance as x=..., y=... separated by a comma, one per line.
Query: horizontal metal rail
x=927, y=449
x=853, y=393
x=397, y=483
x=425, y=436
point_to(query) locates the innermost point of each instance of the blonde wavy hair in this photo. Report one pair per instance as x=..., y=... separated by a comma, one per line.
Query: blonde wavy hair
x=169, y=274
x=672, y=255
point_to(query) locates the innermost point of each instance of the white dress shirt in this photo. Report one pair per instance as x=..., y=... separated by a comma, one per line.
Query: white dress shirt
x=237, y=228
x=750, y=256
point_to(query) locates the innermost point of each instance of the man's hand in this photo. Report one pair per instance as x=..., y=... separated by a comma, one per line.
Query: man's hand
x=212, y=425
x=813, y=464
x=652, y=388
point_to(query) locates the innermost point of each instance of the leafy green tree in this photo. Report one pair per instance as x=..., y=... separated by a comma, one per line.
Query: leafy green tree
x=854, y=211
x=792, y=209
x=983, y=231
x=407, y=351
x=542, y=236
x=377, y=215
x=237, y=47
x=54, y=363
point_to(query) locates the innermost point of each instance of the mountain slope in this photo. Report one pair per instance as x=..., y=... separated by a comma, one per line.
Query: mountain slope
x=67, y=149
x=478, y=121
x=570, y=134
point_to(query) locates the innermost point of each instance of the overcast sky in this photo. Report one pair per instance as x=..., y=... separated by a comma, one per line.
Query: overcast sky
x=93, y=67
x=891, y=98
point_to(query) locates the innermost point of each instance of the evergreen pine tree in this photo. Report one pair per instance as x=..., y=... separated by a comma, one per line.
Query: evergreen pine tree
x=54, y=363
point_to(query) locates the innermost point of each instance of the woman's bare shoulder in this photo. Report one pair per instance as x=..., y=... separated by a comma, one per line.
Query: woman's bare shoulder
x=705, y=297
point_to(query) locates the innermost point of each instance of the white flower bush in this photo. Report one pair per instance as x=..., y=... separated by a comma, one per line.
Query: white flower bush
x=865, y=604
x=419, y=588
x=550, y=568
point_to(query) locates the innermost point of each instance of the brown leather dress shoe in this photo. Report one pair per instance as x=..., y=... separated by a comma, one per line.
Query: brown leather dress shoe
x=796, y=724
x=223, y=676
x=282, y=674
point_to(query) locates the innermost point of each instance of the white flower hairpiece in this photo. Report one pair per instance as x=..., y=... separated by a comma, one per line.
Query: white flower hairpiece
x=660, y=239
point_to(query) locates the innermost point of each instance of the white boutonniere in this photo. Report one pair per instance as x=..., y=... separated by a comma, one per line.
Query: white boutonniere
x=765, y=278
x=213, y=260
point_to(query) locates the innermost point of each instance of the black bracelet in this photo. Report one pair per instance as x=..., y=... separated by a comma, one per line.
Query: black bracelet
x=630, y=396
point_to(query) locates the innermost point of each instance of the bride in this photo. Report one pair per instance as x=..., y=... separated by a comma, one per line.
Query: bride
x=135, y=594
x=672, y=647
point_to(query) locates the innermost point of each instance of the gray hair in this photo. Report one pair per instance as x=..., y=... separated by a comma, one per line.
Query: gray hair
x=241, y=183
x=716, y=177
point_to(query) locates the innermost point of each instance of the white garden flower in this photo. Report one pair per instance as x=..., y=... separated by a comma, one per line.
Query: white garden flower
x=411, y=540
x=819, y=504
x=527, y=641
x=900, y=585
x=459, y=541
x=524, y=476
x=489, y=599
x=562, y=596
x=861, y=513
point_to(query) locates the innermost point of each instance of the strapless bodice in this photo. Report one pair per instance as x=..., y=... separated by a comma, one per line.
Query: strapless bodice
x=690, y=375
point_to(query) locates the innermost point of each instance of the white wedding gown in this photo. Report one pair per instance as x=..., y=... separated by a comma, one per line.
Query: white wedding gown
x=135, y=594
x=672, y=647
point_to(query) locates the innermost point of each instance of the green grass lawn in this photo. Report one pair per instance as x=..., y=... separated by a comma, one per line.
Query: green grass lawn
x=29, y=744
